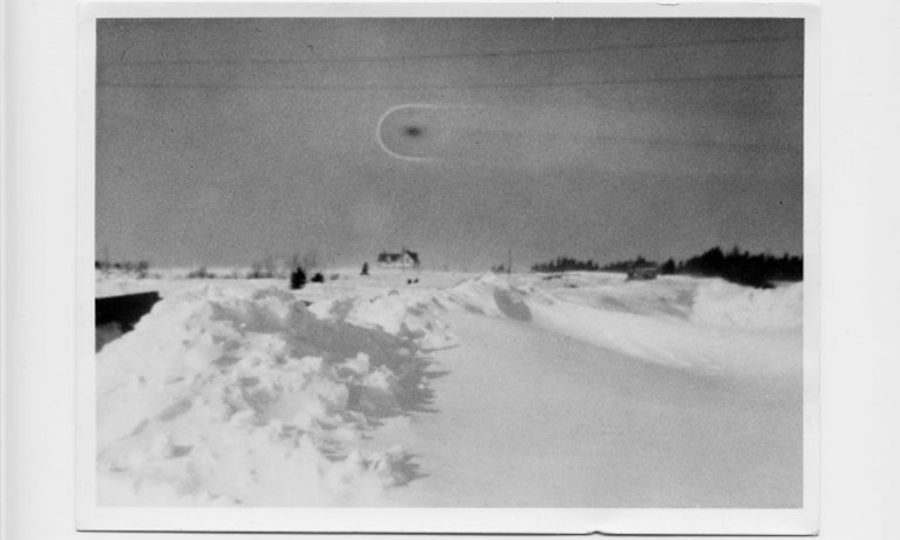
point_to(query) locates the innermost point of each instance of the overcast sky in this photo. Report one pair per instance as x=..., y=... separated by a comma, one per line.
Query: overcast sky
x=222, y=141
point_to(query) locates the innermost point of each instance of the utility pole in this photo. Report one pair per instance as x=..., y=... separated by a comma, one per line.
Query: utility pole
x=509, y=262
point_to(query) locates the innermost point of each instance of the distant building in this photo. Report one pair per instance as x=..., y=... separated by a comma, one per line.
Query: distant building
x=643, y=271
x=399, y=260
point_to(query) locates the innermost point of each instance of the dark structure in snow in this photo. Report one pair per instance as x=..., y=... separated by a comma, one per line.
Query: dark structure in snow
x=298, y=278
x=125, y=310
x=365, y=269
x=402, y=259
x=643, y=271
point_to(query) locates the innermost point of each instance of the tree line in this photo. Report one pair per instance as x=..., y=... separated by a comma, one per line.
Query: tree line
x=129, y=267
x=756, y=270
x=566, y=264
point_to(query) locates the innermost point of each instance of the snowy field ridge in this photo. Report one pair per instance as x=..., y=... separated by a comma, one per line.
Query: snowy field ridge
x=677, y=322
x=709, y=302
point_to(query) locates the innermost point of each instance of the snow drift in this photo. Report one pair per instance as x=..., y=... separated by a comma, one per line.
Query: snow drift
x=246, y=397
x=709, y=302
x=704, y=324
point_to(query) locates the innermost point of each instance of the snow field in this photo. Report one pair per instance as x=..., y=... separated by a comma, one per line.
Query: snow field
x=243, y=393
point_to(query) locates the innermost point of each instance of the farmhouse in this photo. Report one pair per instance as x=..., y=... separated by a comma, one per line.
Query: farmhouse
x=399, y=260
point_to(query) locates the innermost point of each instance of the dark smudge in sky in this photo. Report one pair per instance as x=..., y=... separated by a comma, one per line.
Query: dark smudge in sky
x=222, y=141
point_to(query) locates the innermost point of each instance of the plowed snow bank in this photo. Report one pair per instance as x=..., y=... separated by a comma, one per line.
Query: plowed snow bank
x=246, y=397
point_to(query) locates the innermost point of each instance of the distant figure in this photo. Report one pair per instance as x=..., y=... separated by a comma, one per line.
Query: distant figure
x=365, y=269
x=318, y=278
x=298, y=278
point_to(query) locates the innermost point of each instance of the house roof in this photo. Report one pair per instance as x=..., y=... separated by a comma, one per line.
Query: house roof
x=385, y=256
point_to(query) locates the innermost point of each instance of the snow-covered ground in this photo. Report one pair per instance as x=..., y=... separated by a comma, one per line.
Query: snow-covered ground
x=575, y=390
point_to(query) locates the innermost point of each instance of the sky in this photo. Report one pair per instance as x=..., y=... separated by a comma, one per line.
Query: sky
x=225, y=141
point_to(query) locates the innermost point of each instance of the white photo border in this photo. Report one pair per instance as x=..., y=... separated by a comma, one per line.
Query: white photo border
x=91, y=517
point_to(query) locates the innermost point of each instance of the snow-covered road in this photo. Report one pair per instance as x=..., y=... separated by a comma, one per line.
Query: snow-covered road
x=533, y=418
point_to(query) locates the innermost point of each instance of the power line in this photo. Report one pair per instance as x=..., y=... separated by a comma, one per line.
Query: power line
x=737, y=146
x=448, y=56
x=526, y=86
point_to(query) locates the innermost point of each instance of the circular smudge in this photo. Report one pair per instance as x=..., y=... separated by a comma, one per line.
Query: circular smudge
x=412, y=132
